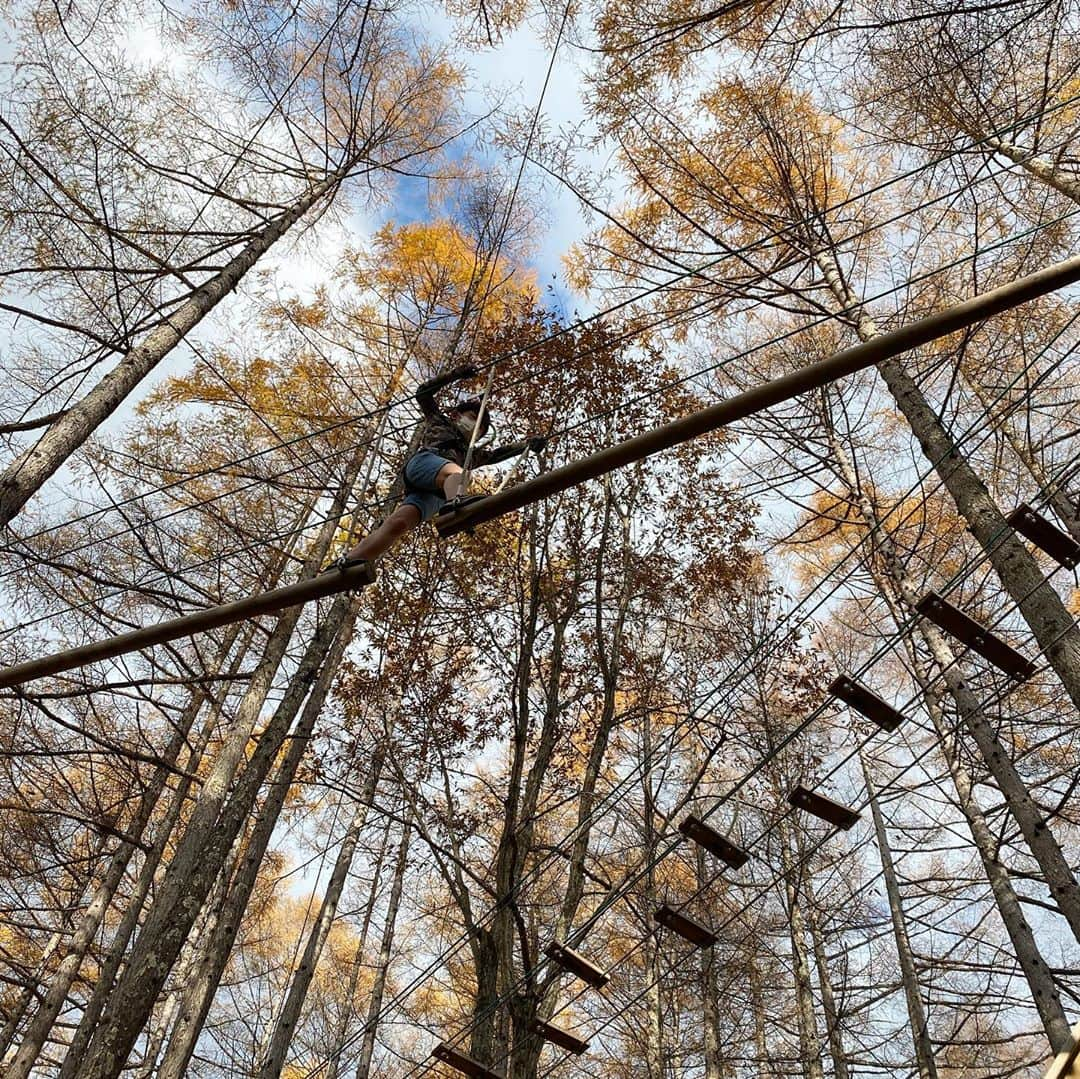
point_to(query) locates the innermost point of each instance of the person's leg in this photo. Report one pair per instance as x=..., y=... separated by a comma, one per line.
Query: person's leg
x=402, y=521
x=449, y=480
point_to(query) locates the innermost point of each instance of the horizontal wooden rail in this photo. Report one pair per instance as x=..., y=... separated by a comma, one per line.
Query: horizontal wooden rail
x=812, y=377
x=325, y=584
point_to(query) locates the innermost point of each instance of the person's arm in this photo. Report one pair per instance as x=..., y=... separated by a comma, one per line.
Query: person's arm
x=504, y=453
x=425, y=392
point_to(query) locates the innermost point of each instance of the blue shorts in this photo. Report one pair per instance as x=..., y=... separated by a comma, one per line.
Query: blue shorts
x=421, y=489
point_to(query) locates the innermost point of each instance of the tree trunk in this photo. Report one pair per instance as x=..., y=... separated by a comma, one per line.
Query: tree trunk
x=1037, y=600
x=341, y=1035
x=711, y=1039
x=1035, y=166
x=320, y=931
x=1034, y=827
x=215, y=822
x=378, y=988
x=135, y=901
x=197, y=862
x=1059, y=501
x=809, y=1039
x=829, y=1010
x=920, y=1031
x=654, y=1027
x=32, y=990
x=757, y=1004
x=205, y=925
x=1040, y=981
x=199, y=991
x=892, y=586
x=49, y=1008
x=26, y=474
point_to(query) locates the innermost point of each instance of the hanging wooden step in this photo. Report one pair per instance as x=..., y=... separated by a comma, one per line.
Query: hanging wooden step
x=825, y=808
x=979, y=639
x=558, y=1036
x=577, y=964
x=696, y=829
x=866, y=702
x=457, y=1060
x=1056, y=542
x=685, y=926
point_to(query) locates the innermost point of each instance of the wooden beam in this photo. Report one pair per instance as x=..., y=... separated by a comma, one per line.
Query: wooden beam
x=785, y=388
x=327, y=583
x=560, y=1037
x=696, y=829
x=977, y=637
x=459, y=1061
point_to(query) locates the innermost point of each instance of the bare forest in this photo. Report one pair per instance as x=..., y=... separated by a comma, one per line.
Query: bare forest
x=733, y=732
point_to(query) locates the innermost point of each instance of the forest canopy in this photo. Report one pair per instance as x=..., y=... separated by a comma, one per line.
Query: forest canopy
x=776, y=731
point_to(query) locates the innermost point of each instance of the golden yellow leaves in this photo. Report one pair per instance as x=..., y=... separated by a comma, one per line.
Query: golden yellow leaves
x=437, y=267
x=833, y=526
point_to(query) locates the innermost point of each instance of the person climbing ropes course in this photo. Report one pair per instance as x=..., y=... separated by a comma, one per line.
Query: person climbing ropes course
x=434, y=476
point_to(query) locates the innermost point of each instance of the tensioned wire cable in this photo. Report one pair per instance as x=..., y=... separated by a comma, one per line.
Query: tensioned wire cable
x=884, y=651
x=912, y=763
x=424, y=1066
x=622, y=305
x=629, y=335
x=579, y=425
x=495, y=257
x=824, y=319
x=622, y=891
x=1017, y=376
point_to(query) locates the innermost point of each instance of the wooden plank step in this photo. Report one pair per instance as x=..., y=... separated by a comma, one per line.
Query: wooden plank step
x=685, y=926
x=977, y=637
x=820, y=806
x=577, y=964
x=866, y=702
x=459, y=1061
x=560, y=1037
x=1056, y=542
x=696, y=829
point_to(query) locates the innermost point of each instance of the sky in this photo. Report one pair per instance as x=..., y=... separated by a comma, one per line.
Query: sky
x=512, y=73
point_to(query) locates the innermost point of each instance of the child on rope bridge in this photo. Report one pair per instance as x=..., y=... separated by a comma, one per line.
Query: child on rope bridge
x=434, y=474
